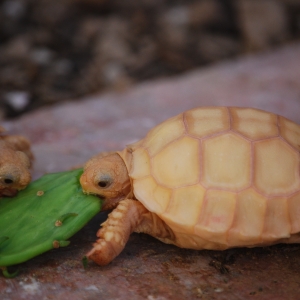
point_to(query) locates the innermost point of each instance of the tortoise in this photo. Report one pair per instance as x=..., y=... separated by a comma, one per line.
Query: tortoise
x=209, y=178
x=15, y=162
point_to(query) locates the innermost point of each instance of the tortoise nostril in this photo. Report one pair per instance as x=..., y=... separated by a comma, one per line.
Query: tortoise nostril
x=8, y=181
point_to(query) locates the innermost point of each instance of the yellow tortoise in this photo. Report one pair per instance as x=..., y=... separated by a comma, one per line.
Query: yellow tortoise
x=209, y=178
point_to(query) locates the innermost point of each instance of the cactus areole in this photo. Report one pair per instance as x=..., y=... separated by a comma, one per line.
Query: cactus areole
x=43, y=216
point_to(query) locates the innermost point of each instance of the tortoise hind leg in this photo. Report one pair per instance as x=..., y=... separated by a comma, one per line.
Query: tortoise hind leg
x=116, y=230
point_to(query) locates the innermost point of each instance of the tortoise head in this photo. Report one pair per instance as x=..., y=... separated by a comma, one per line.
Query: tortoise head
x=14, y=171
x=107, y=177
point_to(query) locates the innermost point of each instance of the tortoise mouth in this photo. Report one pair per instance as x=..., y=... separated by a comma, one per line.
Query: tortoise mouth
x=110, y=203
x=95, y=194
x=9, y=192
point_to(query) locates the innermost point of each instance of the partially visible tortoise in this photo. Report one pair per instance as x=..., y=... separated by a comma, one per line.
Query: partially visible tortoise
x=15, y=163
x=209, y=178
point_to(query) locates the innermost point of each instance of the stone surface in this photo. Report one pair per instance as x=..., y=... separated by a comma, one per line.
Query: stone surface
x=58, y=49
x=68, y=134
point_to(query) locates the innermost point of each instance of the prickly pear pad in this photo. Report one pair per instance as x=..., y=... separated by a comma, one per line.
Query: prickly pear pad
x=43, y=216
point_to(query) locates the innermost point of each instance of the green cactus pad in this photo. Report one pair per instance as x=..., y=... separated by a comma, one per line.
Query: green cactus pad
x=43, y=216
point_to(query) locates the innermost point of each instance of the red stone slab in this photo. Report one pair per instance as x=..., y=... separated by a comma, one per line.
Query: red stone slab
x=68, y=134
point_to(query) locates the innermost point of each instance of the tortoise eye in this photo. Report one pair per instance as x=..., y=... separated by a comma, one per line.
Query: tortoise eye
x=105, y=182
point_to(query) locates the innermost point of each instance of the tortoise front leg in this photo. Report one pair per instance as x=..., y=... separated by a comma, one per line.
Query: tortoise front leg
x=116, y=230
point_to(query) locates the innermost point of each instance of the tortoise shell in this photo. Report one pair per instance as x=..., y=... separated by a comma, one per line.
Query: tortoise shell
x=221, y=177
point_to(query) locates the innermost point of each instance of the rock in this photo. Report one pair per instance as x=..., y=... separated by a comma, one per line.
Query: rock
x=213, y=47
x=173, y=27
x=262, y=23
x=41, y=56
x=60, y=49
x=205, y=12
x=13, y=8
x=17, y=100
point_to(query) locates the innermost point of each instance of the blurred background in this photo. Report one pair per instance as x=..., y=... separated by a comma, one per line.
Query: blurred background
x=56, y=50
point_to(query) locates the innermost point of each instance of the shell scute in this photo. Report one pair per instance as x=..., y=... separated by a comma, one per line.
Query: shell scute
x=184, y=208
x=178, y=164
x=216, y=216
x=294, y=212
x=277, y=223
x=250, y=209
x=290, y=131
x=254, y=124
x=155, y=197
x=271, y=176
x=140, y=164
x=229, y=168
x=203, y=122
x=164, y=133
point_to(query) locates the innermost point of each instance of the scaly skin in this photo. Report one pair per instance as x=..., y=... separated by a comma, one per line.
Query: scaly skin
x=129, y=216
x=115, y=231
